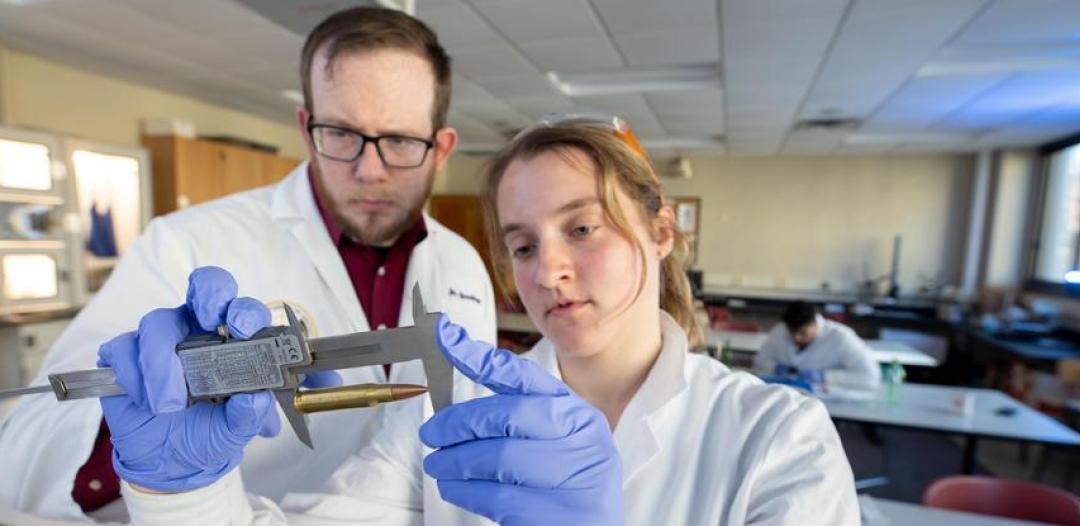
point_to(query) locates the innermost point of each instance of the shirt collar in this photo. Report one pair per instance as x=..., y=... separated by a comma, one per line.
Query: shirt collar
x=665, y=380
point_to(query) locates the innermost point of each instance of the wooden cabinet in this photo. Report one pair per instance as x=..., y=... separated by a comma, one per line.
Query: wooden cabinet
x=191, y=171
x=464, y=214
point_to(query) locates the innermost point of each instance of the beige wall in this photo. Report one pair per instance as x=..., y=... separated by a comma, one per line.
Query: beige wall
x=461, y=176
x=796, y=222
x=44, y=95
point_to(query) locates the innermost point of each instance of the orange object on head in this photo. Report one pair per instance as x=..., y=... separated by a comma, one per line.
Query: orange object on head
x=616, y=124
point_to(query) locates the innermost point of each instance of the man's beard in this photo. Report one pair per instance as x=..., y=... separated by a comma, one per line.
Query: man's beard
x=376, y=231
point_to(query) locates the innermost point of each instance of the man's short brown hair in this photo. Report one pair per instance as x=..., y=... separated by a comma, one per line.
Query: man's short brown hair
x=372, y=28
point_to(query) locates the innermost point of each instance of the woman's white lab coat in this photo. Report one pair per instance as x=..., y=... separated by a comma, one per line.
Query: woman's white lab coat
x=275, y=243
x=699, y=445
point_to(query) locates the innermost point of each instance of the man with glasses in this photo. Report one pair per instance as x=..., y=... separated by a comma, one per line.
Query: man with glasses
x=340, y=240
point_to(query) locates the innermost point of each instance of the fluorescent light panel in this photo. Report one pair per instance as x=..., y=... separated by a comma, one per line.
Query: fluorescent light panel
x=1007, y=58
x=637, y=80
x=687, y=143
x=897, y=138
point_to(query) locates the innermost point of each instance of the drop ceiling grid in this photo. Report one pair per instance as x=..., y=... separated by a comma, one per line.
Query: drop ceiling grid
x=769, y=61
x=880, y=46
x=202, y=18
x=649, y=16
x=1024, y=21
x=924, y=101
x=523, y=21
x=1009, y=102
x=458, y=26
x=102, y=17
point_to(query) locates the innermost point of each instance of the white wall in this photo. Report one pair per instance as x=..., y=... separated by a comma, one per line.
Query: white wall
x=44, y=95
x=798, y=221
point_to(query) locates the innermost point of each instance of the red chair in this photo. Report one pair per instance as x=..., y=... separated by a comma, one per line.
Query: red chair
x=717, y=313
x=735, y=326
x=1004, y=498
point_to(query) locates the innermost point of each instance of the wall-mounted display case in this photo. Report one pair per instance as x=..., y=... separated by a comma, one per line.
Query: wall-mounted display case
x=37, y=267
x=111, y=200
x=68, y=210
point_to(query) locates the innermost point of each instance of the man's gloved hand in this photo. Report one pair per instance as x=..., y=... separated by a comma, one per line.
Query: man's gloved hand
x=160, y=443
x=812, y=376
x=533, y=453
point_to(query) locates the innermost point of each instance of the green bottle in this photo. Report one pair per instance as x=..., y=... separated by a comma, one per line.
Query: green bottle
x=894, y=382
x=727, y=354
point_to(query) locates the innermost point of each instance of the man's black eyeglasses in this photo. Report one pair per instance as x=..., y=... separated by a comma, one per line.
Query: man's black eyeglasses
x=343, y=144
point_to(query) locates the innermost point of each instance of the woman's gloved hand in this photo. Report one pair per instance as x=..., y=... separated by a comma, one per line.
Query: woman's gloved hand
x=159, y=442
x=534, y=453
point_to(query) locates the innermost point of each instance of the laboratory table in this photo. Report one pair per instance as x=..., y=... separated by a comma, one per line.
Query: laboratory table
x=934, y=408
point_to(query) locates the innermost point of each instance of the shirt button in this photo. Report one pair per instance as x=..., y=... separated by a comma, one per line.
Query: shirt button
x=382, y=326
x=94, y=485
x=381, y=271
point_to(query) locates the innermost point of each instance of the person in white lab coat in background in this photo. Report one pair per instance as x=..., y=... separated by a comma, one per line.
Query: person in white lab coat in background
x=580, y=229
x=819, y=350
x=342, y=241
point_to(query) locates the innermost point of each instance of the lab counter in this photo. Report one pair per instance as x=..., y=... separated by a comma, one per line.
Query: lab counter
x=1041, y=352
x=720, y=295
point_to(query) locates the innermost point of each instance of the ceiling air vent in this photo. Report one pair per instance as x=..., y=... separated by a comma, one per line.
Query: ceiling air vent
x=828, y=123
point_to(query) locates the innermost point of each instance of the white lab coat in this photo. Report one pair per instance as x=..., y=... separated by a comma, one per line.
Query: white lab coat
x=837, y=350
x=275, y=243
x=699, y=445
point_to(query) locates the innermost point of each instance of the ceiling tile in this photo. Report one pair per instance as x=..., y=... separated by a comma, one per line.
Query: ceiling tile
x=772, y=48
x=492, y=61
x=457, y=25
x=573, y=55
x=926, y=100
x=665, y=48
x=528, y=20
x=1023, y=21
x=879, y=47
x=635, y=16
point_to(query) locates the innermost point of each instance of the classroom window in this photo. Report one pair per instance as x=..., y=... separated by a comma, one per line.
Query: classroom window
x=1059, y=232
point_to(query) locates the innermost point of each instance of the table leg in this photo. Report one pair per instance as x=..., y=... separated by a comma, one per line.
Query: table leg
x=970, y=444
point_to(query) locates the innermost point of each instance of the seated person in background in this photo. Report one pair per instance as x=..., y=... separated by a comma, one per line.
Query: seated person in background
x=820, y=350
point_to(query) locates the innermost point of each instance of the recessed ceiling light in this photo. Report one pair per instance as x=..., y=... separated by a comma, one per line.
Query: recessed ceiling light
x=703, y=76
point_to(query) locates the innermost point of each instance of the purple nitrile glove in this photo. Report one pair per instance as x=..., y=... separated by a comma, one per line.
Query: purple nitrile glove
x=533, y=453
x=159, y=442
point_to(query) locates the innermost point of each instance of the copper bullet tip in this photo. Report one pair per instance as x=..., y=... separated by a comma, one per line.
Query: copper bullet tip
x=403, y=391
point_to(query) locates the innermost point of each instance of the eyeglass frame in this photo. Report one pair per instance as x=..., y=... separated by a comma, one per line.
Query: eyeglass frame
x=365, y=139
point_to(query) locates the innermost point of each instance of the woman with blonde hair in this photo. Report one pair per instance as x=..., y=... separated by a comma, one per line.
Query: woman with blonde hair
x=580, y=230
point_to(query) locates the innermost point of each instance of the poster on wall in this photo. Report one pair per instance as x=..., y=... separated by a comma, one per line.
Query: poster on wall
x=687, y=219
